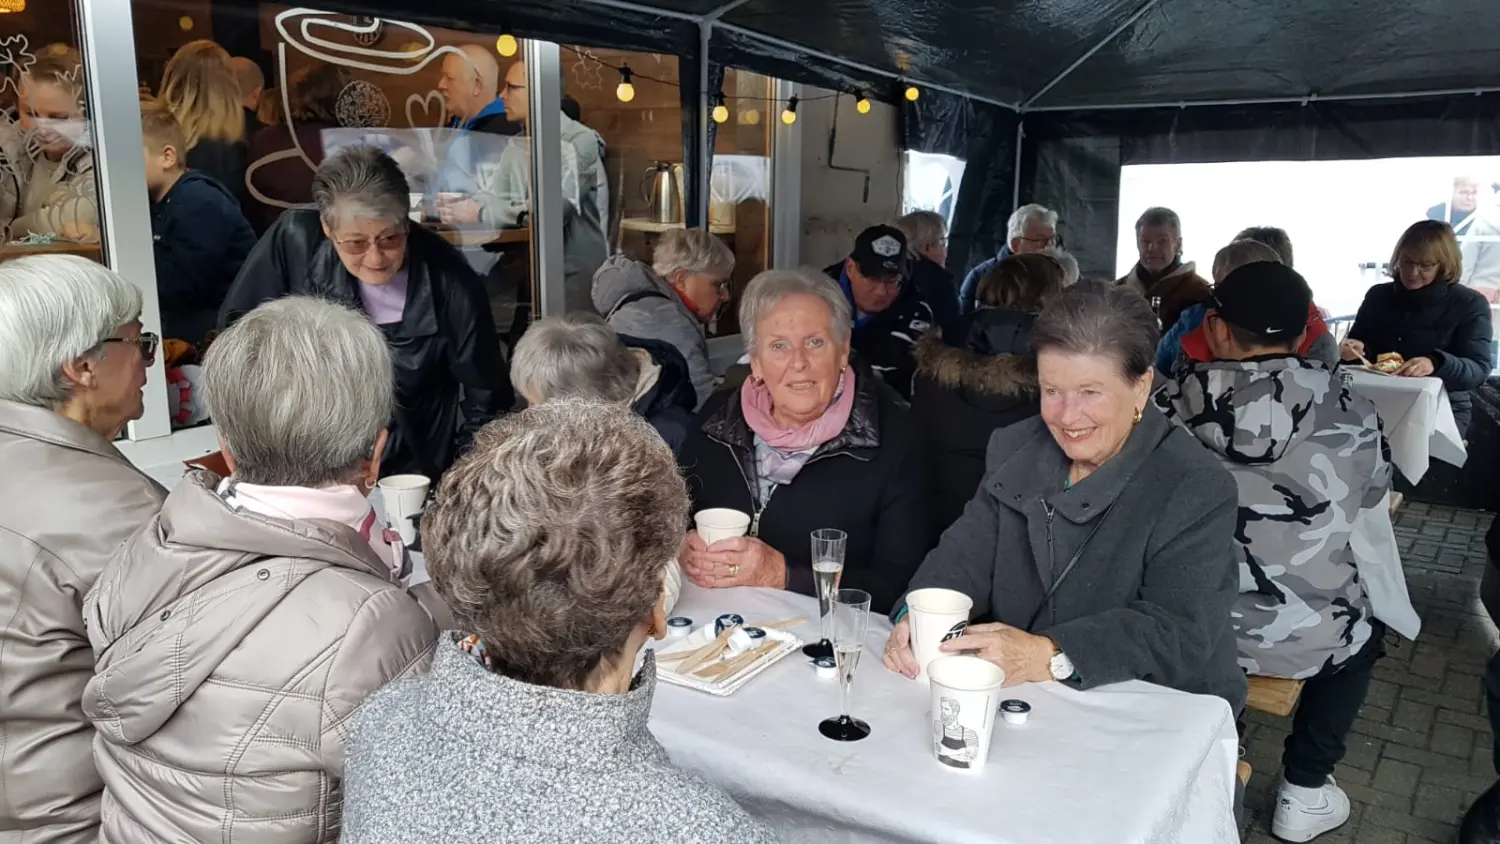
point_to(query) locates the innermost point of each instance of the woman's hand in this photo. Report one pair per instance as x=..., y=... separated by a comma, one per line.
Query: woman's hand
x=1351, y=349
x=1026, y=658
x=1417, y=368
x=458, y=211
x=898, y=653
x=739, y=561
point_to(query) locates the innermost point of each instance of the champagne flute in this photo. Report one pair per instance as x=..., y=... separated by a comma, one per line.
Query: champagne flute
x=851, y=620
x=828, y=567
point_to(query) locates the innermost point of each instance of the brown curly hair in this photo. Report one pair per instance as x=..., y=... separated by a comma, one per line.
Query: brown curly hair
x=1021, y=283
x=550, y=538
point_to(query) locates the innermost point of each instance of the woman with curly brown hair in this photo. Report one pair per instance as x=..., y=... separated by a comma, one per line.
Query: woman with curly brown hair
x=548, y=541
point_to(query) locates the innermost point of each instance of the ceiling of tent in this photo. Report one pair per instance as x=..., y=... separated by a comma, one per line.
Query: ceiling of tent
x=1141, y=52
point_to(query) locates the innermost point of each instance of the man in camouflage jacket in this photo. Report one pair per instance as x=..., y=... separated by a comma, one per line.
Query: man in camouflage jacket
x=1308, y=457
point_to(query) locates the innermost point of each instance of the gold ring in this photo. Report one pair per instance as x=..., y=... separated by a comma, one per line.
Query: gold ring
x=734, y=571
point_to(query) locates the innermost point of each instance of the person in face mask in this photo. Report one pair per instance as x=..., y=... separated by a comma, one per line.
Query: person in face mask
x=47, y=173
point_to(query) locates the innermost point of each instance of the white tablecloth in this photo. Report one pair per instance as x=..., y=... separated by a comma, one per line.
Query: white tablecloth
x=1131, y=762
x=1418, y=420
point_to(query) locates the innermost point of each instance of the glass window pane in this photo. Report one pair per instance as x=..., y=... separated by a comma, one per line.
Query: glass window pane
x=48, y=189
x=739, y=199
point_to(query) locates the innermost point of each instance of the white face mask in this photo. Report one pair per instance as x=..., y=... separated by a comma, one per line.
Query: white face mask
x=49, y=130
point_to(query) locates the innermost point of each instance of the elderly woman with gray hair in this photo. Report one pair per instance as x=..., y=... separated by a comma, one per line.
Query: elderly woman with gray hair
x=671, y=300
x=73, y=360
x=812, y=439
x=1099, y=546
x=253, y=615
x=927, y=240
x=549, y=540
x=358, y=248
x=580, y=356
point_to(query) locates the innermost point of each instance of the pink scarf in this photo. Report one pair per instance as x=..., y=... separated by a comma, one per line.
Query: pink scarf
x=755, y=403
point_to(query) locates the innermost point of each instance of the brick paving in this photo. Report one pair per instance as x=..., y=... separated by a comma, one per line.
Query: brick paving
x=1420, y=751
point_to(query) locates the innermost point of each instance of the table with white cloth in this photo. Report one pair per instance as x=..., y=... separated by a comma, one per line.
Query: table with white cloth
x=1417, y=417
x=1131, y=762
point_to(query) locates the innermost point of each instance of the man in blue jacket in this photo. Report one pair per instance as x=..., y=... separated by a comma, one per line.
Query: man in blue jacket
x=889, y=315
x=1032, y=228
x=199, y=235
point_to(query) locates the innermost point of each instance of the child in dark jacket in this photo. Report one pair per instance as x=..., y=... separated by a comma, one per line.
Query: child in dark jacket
x=199, y=235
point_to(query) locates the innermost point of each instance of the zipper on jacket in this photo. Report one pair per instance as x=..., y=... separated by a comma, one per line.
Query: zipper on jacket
x=1051, y=555
x=751, y=485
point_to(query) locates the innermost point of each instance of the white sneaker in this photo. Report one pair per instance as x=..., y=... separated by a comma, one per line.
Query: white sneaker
x=1298, y=820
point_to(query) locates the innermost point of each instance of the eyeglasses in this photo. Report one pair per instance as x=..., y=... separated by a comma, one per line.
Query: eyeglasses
x=1424, y=266
x=360, y=245
x=146, y=343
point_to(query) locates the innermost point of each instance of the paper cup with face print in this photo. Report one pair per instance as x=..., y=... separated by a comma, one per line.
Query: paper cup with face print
x=719, y=523
x=937, y=615
x=404, y=496
x=965, y=694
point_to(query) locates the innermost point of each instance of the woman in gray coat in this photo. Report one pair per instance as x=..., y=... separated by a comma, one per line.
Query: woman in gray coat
x=549, y=541
x=1099, y=545
x=672, y=299
x=72, y=363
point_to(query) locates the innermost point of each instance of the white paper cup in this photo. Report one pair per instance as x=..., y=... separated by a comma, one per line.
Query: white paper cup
x=965, y=693
x=937, y=615
x=719, y=523
x=403, y=496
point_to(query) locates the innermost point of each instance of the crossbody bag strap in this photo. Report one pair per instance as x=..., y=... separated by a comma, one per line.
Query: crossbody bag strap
x=1068, y=569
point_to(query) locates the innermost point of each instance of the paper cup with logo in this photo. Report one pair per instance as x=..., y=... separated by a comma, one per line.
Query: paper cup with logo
x=719, y=523
x=937, y=615
x=965, y=694
x=404, y=496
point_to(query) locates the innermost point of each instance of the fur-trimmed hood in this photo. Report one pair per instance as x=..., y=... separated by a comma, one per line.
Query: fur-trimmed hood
x=954, y=368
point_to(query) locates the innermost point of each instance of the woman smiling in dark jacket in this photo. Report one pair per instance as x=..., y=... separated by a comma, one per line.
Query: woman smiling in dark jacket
x=359, y=249
x=978, y=374
x=811, y=440
x=1440, y=327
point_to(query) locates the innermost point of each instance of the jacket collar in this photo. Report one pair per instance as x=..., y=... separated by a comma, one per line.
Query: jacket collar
x=541, y=724
x=954, y=368
x=423, y=249
x=46, y=426
x=1038, y=469
x=727, y=424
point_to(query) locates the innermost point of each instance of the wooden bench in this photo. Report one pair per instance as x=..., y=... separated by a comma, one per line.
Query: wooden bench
x=1274, y=695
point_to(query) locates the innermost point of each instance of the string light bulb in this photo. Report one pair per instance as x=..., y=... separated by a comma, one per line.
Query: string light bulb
x=862, y=105
x=625, y=91
x=721, y=111
x=750, y=117
x=789, y=114
x=506, y=45
x=912, y=93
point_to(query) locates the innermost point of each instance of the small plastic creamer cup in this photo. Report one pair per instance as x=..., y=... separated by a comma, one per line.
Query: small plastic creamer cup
x=718, y=523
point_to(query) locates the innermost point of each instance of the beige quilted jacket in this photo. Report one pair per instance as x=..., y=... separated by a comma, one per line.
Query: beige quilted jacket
x=233, y=652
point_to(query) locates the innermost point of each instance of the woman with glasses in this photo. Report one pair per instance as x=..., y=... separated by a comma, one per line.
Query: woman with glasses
x=73, y=361
x=672, y=299
x=358, y=247
x=1439, y=327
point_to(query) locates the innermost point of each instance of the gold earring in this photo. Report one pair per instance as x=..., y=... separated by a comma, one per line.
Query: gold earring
x=1140, y=413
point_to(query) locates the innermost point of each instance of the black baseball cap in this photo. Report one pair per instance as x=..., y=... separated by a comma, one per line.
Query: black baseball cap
x=880, y=251
x=1266, y=298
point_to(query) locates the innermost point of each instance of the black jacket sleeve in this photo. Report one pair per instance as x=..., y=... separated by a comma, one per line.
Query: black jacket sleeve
x=1466, y=362
x=1364, y=320
x=474, y=350
x=263, y=276
x=902, y=532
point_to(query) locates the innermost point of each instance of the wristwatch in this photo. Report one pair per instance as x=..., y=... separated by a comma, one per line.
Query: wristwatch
x=1062, y=667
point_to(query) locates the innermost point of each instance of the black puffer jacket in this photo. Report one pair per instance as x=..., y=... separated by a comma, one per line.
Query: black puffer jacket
x=1448, y=323
x=868, y=481
x=450, y=377
x=975, y=376
x=669, y=401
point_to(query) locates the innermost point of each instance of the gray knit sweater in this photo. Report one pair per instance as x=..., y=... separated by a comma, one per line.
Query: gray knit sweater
x=464, y=756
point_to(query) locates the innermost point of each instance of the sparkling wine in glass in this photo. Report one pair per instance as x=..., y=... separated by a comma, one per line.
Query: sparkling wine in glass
x=828, y=566
x=851, y=621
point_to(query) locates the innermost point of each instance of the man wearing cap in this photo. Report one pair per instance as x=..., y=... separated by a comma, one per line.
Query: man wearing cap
x=1310, y=462
x=889, y=315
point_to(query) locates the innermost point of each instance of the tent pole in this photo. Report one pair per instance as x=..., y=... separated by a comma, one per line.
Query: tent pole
x=874, y=71
x=724, y=9
x=624, y=5
x=706, y=153
x=1015, y=179
x=1104, y=42
x=1310, y=98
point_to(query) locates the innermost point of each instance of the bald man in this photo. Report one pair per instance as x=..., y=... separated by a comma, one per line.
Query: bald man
x=252, y=85
x=470, y=86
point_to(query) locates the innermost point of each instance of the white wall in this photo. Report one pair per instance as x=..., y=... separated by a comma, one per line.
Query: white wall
x=834, y=206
